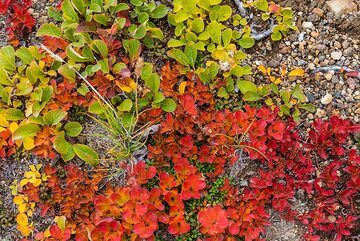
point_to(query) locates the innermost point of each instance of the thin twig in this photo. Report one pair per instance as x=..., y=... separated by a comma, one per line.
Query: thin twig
x=240, y=6
x=264, y=34
x=338, y=69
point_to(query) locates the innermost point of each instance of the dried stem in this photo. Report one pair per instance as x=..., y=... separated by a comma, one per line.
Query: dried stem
x=338, y=69
x=264, y=34
x=240, y=6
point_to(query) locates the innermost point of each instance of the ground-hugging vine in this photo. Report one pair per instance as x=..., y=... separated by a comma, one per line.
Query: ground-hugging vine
x=176, y=148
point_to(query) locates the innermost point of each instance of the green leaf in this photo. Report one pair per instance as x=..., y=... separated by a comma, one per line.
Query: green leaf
x=158, y=97
x=308, y=107
x=61, y=145
x=126, y=105
x=54, y=14
x=173, y=43
x=69, y=11
x=223, y=93
x=54, y=117
x=86, y=154
x=101, y=18
x=168, y=105
x=298, y=93
x=73, y=129
x=159, y=12
x=140, y=32
x=4, y=77
x=100, y=47
x=179, y=56
x=96, y=108
x=214, y=29
x=7, y=58
x=75, y=56
x=181, y=16
x=153, y=82
x=252, y=96
x=227, y=36
x=276, y=36
x=262, y=5
x=246, y=86
x=191, y=53
x=225, y=13
x=66, y=72
x=27, y=130
x=197, y=25
x=132, y=46
x=238, y=71
x=246, y=42
x=25, y=55
x=69, y=155
x=13, y=114
x=79, y=6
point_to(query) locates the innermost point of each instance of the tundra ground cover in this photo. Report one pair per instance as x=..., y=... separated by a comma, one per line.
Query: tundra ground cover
x=174, y=145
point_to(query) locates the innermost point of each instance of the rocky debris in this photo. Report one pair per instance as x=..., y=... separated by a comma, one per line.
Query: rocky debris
x=339, y=7
x=336, y=55
x=326, y=99
x=307, y=25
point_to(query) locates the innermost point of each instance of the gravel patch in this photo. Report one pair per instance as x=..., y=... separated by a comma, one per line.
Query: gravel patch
x=319, y=42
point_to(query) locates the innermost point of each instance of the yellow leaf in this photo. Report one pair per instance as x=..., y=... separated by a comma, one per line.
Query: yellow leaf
x=22, y=219
x=283, y=70
x=24, y=230
x=278, y=81
x=13, y=126
x=41, y=64
x=18, y=200
x=128, y=85
x=37, y=182
x=52, y=73
x=262, y=68
x=60, y=221
x=3, y=121
x=23, y=182
x=22, y=208
x=28, y=143
x=182, y=87
x=297, y=72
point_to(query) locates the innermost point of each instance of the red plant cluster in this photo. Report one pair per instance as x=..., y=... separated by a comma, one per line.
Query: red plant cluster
x=196, y=146
x=7, y=145
x=19, y=20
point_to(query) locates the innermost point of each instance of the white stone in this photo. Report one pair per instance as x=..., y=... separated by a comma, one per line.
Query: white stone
x=326, y=99
x=307, y=25
x=339, y=7
x=320, y=113
x=336, y=55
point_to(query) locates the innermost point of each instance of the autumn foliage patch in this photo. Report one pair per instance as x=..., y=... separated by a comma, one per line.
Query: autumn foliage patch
x=175, y=170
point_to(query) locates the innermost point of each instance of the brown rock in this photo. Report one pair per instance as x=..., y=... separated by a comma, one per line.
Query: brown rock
x=318, y=11
x=339, y=7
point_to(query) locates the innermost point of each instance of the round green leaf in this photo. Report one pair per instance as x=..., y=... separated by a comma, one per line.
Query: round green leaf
x=73, y=129
x=168, y=105
x=246, y=42
x=126, y=105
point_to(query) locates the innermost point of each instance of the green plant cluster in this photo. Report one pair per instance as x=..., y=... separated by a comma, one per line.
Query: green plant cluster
x=208, y=30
